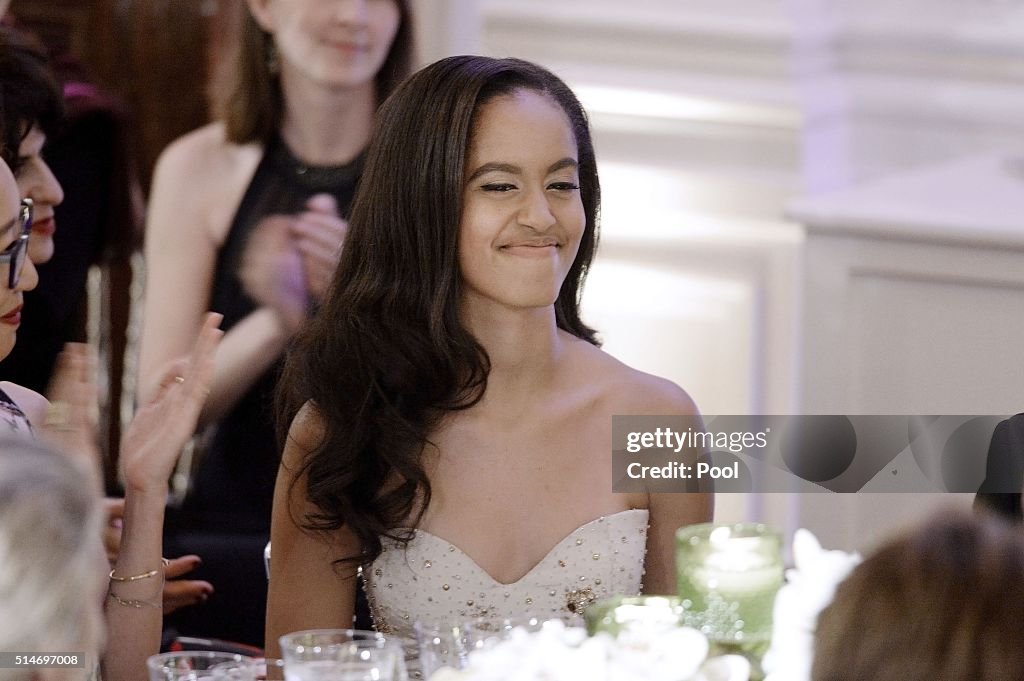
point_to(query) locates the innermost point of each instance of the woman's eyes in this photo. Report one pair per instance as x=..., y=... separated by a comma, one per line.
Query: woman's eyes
x=564, y=186
x=508, y=186
x=498, y=187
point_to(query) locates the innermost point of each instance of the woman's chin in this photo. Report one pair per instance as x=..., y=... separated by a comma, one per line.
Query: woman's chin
x=7, y=339
x=40, y=251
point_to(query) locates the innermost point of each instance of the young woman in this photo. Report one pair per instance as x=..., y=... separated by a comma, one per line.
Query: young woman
x=452, y=413
x=246, y=218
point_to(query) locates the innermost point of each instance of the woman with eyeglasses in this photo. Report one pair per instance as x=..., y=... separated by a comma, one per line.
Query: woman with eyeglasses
x=18, y=275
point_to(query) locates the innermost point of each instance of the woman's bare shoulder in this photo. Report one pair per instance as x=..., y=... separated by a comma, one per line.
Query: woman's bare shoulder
x=305, y=434
x=625, y=390
x=198, y=183
x=205, y=152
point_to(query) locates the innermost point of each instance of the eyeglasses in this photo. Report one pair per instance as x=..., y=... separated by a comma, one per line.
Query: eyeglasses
x=15, y=254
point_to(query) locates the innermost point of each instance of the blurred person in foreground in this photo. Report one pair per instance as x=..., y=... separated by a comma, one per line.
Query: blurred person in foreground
x=943, y=603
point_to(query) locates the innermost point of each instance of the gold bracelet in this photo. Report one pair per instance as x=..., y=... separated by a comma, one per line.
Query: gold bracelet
x=145, y=575
x=134, y=603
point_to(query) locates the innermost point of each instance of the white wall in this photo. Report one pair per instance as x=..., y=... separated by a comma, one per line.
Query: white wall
x=710, y=117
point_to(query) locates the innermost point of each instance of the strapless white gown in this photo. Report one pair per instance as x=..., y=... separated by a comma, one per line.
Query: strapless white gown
x=432, y=581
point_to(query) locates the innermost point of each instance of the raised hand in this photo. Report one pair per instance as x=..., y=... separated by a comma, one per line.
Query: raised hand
x=271, y=270
x=153, y=442
x=320, y=235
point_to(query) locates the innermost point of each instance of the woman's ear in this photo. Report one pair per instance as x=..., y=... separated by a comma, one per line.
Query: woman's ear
x=260, y=10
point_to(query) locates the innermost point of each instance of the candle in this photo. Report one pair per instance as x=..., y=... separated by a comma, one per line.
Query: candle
x=728, y=578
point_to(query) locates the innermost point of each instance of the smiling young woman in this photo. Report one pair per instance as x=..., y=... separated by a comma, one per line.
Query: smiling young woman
x=450, y=412
x=522, y=216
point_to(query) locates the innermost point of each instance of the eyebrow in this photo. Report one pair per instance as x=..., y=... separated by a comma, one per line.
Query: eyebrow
x=516, y=170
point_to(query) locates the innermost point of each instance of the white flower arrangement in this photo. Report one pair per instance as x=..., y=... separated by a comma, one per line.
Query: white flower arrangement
x=557, y=653
x=810, y=586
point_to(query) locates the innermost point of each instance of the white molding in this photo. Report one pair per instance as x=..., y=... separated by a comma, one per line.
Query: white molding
x=975, y=201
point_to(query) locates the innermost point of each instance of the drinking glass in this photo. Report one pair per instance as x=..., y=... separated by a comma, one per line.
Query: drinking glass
x=440, y=645
x=483, y=632
x=199, y=664
x=341, y=655
x=253, y=669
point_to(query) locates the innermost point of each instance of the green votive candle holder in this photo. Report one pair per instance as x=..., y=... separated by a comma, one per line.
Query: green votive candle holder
x=633, y=613
x=728, y=577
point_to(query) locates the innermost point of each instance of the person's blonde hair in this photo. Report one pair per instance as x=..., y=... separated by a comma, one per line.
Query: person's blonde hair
x=50, y=555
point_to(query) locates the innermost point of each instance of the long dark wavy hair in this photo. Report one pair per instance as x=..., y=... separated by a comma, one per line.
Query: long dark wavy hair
x=246, y=94
x=387, y=356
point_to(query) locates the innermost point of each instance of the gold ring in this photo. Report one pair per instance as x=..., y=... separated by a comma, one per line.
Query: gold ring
x=179, y=379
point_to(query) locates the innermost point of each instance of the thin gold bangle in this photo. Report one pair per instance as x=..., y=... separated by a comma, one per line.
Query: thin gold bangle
x=134, y=603
x=145, y=575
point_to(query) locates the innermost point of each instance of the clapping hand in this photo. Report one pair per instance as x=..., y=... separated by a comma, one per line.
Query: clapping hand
x=70, y=424
x=271, y=270
x=321, y=234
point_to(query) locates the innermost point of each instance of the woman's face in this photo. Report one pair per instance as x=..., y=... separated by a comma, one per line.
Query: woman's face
x=522, y=215
x=340, y=43
x=10, y=230
x=36, y=181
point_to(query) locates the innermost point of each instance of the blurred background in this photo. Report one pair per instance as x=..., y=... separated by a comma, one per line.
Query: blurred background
x=810, y=206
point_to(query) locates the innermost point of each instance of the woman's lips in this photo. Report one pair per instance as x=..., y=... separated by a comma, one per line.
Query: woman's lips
x=44, y=227
x=532, y=247
x=13, y=317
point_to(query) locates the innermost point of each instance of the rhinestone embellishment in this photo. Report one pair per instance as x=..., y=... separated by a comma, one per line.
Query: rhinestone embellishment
x=577, y=600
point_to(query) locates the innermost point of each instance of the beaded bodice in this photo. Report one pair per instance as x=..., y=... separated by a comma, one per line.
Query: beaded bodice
x=433, y=581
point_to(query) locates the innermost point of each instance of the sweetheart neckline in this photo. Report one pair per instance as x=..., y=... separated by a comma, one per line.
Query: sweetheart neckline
x=536, y=565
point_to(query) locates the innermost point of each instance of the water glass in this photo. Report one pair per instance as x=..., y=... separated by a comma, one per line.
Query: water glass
x=253, y=669
x=199, y=664
x=341, y=655
x=440, y=645
x=483, y=632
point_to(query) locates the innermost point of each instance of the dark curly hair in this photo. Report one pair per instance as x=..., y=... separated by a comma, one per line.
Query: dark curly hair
x=29, y=94
x=387, y=356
